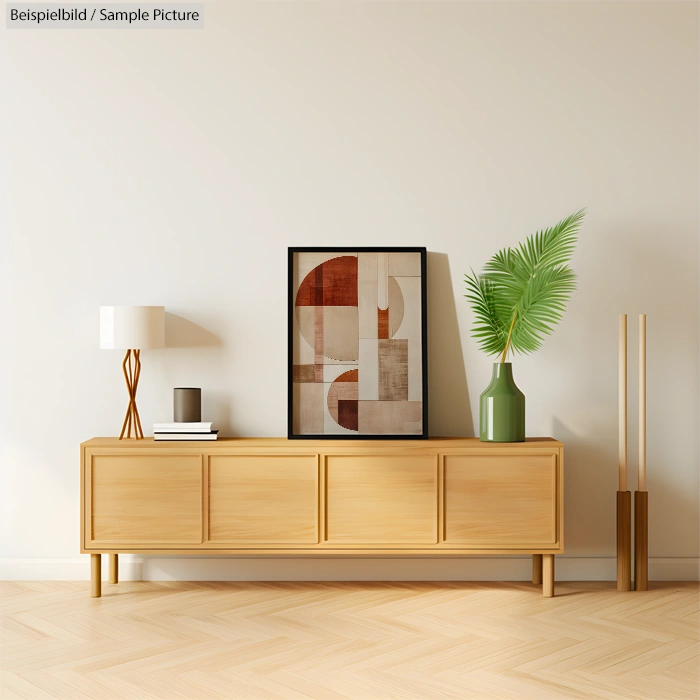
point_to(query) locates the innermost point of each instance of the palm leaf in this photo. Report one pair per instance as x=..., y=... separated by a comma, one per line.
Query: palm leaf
x=523, y=292
x=551, y=247
x=541, y=307
x=504, y=271
x=488, y=330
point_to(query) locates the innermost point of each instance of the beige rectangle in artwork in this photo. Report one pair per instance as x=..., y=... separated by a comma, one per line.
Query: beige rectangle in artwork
x=367, y=294
x=383, y=280
x=340, y=333
x=308, y=408
x=303, y=350
x=411, y=330
x=368, y=374
x=393, y=370
x=415, y=370
x=404, y=265
x=390, y=417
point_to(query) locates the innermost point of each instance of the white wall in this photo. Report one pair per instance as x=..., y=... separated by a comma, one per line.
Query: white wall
x=175, y=167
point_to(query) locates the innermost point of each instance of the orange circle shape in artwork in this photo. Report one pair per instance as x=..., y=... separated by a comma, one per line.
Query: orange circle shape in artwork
x=326, y=309
x=342, y=400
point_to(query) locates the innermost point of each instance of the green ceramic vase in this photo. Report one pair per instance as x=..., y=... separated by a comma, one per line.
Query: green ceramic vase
x=502, y=407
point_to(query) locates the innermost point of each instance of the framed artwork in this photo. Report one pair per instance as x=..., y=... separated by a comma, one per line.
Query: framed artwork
x=357, y=343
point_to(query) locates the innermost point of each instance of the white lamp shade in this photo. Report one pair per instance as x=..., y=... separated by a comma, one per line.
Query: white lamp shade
x=132, y=327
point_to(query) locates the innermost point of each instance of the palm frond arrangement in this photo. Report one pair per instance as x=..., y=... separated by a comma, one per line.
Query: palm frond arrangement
x=523, y=291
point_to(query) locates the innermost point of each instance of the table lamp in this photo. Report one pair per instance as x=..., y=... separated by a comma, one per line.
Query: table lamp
x=132, y=328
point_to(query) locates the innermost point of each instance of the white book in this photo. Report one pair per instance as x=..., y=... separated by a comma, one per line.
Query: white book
x=186, y=436
x=182, y=427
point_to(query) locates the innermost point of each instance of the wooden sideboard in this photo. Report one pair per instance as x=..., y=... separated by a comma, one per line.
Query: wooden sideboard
x=372, y=498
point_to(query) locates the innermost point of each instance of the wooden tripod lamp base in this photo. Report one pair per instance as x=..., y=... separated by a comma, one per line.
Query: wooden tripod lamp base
x=126, y=328
x=132, y=372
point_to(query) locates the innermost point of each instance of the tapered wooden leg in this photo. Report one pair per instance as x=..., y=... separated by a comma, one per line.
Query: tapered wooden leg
x=641, y=539
x=624, y=541
x=547, y=575
x=114, y=568
x=537, y=569
x=96, y=574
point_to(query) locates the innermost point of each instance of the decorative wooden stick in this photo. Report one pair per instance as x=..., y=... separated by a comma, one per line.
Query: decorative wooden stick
x=128, y=388
x=624, y=497
x=642, y=402
x=641, y=497
x=622, y=406
x=137, y=374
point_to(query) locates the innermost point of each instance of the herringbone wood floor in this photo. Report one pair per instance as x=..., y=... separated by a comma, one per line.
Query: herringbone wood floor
x=348, y=640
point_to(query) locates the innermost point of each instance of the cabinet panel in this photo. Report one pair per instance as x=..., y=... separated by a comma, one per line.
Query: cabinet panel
x=263, y=499
x=500, y=500
x=381, y=499
x=137, y=499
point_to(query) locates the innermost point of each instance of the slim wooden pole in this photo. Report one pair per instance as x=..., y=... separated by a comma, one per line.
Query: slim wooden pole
x=624, y=497
x=642, y=402
x=622, y=406
x=641, y=497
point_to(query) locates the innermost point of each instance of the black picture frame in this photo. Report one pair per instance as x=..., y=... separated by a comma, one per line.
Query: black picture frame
x=292, y=252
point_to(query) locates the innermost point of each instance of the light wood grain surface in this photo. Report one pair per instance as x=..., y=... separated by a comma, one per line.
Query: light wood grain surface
x=497, y=500
x=347, y=641
x=263, y=499
x=272, y=496
x=382, y=499
x=144, y=499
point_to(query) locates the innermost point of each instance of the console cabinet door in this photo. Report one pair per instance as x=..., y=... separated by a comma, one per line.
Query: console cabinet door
x=258, y=499
x=381, y=500
x=141, y=500
x=501, y=500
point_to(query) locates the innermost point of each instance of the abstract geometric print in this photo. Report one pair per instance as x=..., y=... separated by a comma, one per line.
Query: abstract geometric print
x=357, y=332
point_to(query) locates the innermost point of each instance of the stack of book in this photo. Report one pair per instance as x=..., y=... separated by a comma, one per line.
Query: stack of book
x=184, y=431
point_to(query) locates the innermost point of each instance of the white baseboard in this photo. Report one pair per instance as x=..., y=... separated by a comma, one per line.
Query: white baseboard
x=157, y=568
x=65, y=569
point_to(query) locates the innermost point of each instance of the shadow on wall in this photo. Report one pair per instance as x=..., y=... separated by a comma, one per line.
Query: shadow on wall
x=184, y=334
x=448, y=396
x=590, y=486
x=181, y=333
